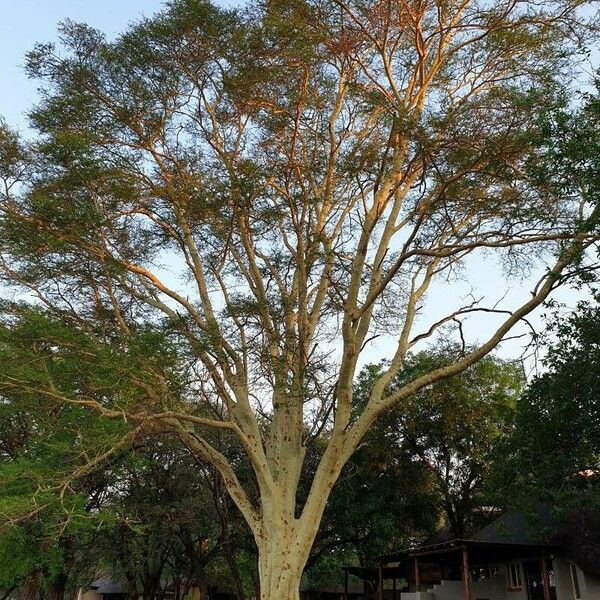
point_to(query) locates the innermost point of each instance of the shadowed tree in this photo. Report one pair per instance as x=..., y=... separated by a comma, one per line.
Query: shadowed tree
x=553, y=455
x=166, y=522
x=255, y=195
x=454, y=428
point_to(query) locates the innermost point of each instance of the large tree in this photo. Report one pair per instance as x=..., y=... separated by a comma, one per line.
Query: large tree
x=553, y=454
x=255, y=195
x=455, y=427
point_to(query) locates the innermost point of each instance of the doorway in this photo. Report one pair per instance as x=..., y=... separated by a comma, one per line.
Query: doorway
x=534, y=580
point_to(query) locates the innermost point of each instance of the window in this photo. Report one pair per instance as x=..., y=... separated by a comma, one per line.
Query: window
x=575, y=581
x=514, y=576
x=482, y=573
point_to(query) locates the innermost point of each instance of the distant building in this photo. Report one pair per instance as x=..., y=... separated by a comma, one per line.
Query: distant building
x=503, y=561
x=106, y=588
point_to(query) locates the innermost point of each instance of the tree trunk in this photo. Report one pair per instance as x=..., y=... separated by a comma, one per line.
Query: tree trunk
x=235, y=573
x=279, y=578
x=58, y=587
x=149, y=591
x=281, y=560
x=284, y=540
x=29, y=589
x=133, y=591
x=7, y=592
x=177, y=588
x=200, y=582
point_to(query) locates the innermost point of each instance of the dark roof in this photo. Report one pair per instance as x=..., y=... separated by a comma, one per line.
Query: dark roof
x=481, y=549
x=104, y=585
x=516, y=528
x=526, y=535
x=513, y=531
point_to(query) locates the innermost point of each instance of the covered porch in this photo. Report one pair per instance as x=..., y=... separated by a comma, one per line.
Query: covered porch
x=459, y=569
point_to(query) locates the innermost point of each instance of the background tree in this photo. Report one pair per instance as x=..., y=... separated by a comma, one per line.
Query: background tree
x=228, y=206
x=65, y=515
x=162, y=518
x=150, y=517
x=382, y=502
x=454, y=428
x=171, y=523
x=556, y=440
x=424, y=470
x=553, y=456
x=47, y=524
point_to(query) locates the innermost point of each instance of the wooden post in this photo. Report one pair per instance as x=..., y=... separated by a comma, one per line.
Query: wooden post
x=380, y=582
x=345, y=585
x=365, y=586
x=394, y=588
x=417, y=575
x=466, y=573
x=545, y=578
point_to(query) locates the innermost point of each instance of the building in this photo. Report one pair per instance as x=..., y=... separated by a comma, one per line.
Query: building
x=106, y=588
x=503, y=561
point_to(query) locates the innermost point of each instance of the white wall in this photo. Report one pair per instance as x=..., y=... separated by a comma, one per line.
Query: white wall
x=492, y=589
x=448, y=590
x=590, y=585
x=417, y=596
x=562, y=578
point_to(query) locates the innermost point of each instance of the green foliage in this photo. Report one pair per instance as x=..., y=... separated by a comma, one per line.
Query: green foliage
x=553, y=455
x=50, y=484
x=448, y=433
x=556, y=439
x=570, y=139
x=555, y=448
x=164, y=519
x=14, y=156
x=17, y=556
x=382, y=502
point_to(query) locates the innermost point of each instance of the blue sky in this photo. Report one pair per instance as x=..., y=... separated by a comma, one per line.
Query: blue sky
x=25, y=22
